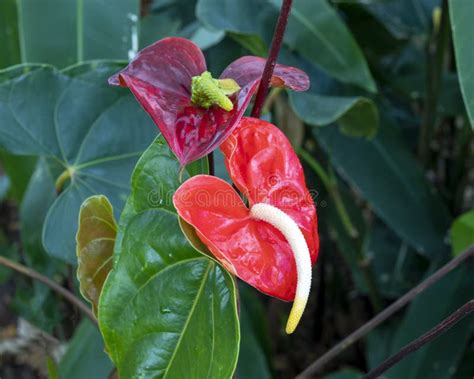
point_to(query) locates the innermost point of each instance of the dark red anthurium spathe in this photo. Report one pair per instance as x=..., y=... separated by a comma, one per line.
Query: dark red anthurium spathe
x=263, y=165
x=160, y=77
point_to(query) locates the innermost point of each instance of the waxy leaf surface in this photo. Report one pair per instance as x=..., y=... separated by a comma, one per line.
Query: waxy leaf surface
x=165, y=310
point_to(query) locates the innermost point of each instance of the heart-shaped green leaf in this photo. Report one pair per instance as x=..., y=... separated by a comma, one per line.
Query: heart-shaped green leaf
x=95, y=246
x=95, y=132
x=165, y=309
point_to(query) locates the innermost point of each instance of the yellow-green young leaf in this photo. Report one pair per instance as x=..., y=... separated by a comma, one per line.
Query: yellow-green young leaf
x=95, y=245
x=462, y=232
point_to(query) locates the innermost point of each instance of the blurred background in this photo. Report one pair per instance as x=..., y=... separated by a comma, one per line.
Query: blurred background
x=383, y=132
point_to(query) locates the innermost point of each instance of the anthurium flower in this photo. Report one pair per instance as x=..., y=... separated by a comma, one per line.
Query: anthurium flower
x=194, y=111
x=272, y=243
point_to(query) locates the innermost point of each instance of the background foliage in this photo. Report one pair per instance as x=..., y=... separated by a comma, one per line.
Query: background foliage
x=385, y=133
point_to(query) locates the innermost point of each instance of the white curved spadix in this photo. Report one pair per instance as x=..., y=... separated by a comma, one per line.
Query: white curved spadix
x=295, y=238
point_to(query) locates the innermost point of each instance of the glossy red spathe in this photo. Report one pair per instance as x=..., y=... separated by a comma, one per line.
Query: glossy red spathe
x=263, y=165
x=160, y=78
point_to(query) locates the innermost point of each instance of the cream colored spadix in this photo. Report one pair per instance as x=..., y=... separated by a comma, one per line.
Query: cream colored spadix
x=295, y=238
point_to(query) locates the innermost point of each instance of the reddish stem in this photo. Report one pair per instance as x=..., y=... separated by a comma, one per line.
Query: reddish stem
x=272, y=57
x=413, y=346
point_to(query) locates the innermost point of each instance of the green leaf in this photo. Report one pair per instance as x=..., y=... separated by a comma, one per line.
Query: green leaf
x=83, y=30
x=201, y=35
x=386, y=174
x=356, y=116
x=462, y=13
x=154, y=189
x=244, y=17
x=85, y=357
x=253, y=362
x=10, y=52
x=165, y=309
x=52, y=368
x=462, y=232
x=191, y=235
x=316, y=31
x=95, y=246
x=397, y=266
x=438, y=359
x=252, y=43
x=95, y=132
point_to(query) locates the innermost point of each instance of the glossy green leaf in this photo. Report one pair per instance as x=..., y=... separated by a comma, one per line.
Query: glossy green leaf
x=438, y=359
x=462, y=232
x=154, y=189
x=462, y=13
x=356, y=116
x=95, y=246
x=83, y=30
x=388, y=177
x=253, y=361
x=94, y=131
x=165, y=310
x=10, y=51
x=85, y=356
x=316, y=31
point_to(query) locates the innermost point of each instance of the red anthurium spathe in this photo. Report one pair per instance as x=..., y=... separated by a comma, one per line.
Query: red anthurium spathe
x=272, y=243
x=161, y=78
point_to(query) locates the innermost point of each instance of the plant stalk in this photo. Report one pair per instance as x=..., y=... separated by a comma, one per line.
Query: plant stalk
x=386, y=313
x=433, y=83
x=418, y=343
x=272, y=57
x=69, y=296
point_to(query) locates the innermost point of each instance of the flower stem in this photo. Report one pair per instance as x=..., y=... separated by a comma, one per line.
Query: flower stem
x=210, y=159
x=385, y=314
x=330, y=182
x=441, y=35
x=272, y=56
x=418, y=343
x=48, y=282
